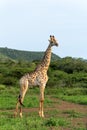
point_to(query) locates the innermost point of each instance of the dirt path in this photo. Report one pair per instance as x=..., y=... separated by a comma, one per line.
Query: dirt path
x=62, y=106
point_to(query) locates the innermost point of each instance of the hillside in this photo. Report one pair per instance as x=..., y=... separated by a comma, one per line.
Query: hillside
x=23, y=55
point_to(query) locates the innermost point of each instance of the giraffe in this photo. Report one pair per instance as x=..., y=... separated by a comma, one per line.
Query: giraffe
x=38, y=77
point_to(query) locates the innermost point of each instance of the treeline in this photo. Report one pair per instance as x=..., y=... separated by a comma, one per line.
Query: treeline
x=69, y=72
x=23, y=55
x=65, y=72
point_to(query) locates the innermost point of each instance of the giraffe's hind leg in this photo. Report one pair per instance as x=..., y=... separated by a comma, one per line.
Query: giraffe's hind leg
x=16, y=111
x=19, y=103
x=22, y=95
x=23, y=90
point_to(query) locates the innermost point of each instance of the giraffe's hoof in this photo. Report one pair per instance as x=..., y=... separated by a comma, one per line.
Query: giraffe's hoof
x=21, y=115
x=41, y=114
x=15, y=114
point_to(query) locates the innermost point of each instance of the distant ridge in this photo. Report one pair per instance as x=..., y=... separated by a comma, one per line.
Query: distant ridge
x=23, y=55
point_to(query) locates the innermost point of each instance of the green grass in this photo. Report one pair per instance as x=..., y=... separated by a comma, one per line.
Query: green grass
x=31, y=121
x=8, y=96
x=74, y=114
x=7, y=122
x=75, y=95
x=7, y=99
x=81, y=99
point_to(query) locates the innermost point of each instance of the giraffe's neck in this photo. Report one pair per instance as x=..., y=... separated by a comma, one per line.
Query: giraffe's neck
x=47, y=57
x=44, y=65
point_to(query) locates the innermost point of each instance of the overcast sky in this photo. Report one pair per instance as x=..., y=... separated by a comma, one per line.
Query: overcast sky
x=27, y=24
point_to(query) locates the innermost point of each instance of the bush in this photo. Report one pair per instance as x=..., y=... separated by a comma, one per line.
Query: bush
x=10, y=81
x=2, y=87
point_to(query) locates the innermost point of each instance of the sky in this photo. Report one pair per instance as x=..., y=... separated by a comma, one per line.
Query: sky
x=27, y=25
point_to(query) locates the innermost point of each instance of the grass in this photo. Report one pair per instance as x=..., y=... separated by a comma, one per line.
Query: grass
x=81, y=99
x=55, y=119
x=8, y=98
x=30, y=123
x=75, y=95
x=74, y=114
x=35, y=123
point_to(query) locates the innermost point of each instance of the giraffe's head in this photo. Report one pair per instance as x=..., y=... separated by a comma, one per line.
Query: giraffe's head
x=53, y=41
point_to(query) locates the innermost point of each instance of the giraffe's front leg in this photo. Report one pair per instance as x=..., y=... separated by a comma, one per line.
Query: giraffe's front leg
x=41, y=111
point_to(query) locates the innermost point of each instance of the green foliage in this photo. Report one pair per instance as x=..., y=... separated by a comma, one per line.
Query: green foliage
x=2, y=87
x=70, y=65
x=66, y=72
x=69, y=72
x=11, y=72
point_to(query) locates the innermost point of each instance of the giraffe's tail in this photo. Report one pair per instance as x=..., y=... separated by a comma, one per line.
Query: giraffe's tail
x=19, y=99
